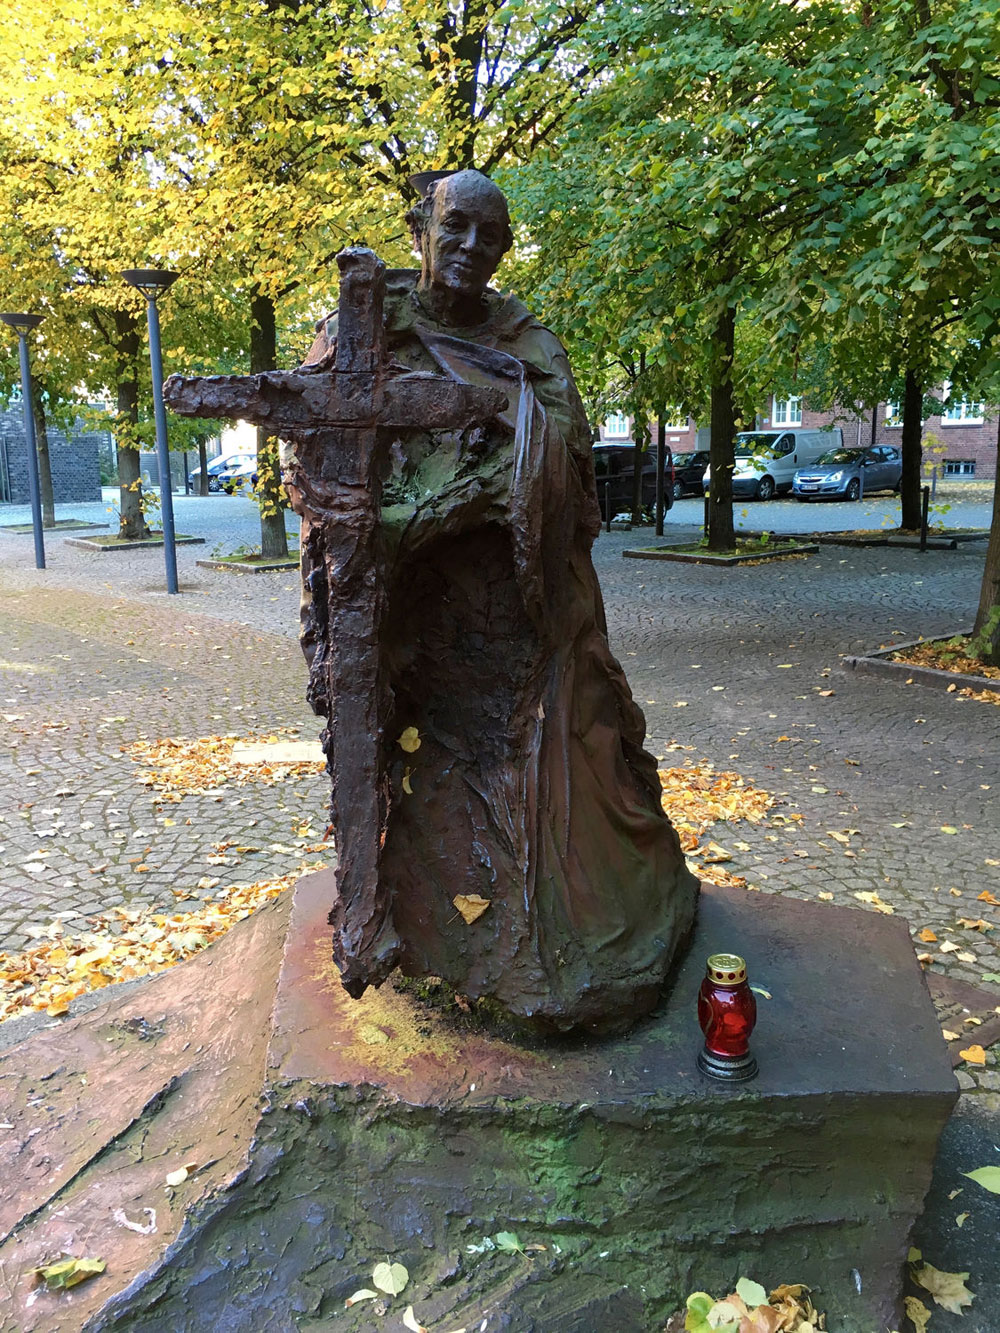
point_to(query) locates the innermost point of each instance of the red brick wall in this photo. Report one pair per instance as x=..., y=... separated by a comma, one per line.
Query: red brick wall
x=943, y=441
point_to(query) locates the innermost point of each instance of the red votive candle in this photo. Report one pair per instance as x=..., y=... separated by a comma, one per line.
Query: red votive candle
x=727, y=1012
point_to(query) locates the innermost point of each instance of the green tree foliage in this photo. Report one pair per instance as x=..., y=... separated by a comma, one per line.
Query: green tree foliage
x=680, y=185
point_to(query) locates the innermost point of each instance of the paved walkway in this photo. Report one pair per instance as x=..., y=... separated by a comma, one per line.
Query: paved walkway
x=737, y=663
x=741, y=665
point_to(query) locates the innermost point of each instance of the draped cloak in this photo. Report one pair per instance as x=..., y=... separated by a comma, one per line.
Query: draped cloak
x=530, y=788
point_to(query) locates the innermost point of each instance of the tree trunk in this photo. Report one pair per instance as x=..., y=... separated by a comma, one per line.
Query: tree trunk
x=44, y=461
x=202, y=468
x=909, y=490
x=271, y=496
x=132, y=521
x=987, y=628
x=721, y=534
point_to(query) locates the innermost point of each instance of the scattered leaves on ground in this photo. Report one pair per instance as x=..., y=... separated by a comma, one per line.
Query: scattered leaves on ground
x=697, y=795
x=749, y=1310
x=120, y=945
x=875, y=901
x=987, y=1176
x=948, y=1289
x=180, y=768
x=973, y=1055
x=947, y=655
x=917, y=1313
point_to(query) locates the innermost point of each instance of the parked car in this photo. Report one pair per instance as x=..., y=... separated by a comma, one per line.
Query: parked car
x=225, y=473
x=766, y=460
x=614, y=468
x=847, y=474
x=241, y=473
x=689, y=473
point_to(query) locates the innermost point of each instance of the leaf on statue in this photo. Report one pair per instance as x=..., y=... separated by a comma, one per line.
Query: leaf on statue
x=973, y=1055
x=69, y=1272
x=178, y=1177
x=407, y=788
x=508, y=1242
x=752, y=1293
x=917, y=1313
x=390, y=1278
x=948, y=1289
x=726, y=1316
x=961, y=1219
x=696, y=1319
x=410, y=740
x=410, y=1321
x=987, y=1176
x=365, y=1294
x=470, y=906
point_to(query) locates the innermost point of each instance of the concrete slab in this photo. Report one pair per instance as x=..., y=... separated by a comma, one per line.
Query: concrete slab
x=380, y=1127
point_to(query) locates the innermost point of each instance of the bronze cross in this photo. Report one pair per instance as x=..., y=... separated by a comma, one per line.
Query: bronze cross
x=338, y=419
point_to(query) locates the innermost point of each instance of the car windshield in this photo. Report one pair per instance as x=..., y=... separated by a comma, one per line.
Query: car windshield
x=749, y=441
x=840, y=456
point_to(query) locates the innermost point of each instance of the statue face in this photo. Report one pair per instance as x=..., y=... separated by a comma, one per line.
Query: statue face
x=464, y=240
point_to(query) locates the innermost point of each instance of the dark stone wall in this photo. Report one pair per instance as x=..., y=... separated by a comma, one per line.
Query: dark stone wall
x=74, y=458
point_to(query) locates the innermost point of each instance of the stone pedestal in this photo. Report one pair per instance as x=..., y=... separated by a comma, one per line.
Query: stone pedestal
x=381, y=1131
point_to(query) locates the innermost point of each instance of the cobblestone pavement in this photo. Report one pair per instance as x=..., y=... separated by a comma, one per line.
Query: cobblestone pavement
x=737, y=664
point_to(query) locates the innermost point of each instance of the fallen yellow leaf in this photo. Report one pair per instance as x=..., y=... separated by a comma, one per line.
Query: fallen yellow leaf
x=973, y=1055
x=409, y=740
x=927, y=936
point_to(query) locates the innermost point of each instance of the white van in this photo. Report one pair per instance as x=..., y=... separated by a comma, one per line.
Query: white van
x=767, y=460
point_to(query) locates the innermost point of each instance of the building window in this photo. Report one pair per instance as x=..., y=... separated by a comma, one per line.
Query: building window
x=616, y=426
x=893, y=414
x=965, y=413
x=674, y=419
x=787, y=412
x=959, y=467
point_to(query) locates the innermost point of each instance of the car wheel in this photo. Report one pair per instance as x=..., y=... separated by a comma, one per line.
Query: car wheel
x=853, y=491
x=765, y=488
x=678, y=491
x=213, y=485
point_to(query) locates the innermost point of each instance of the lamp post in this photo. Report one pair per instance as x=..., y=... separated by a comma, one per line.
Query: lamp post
x=153, y=282
x=22, y=326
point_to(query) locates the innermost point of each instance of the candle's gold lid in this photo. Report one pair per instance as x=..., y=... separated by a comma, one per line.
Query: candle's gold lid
x=726, y=969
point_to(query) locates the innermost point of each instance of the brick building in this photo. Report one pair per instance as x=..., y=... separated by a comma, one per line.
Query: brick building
x=73, y=457
x=961, y=442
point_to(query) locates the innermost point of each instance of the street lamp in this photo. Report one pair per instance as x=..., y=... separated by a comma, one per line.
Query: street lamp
x=153, y=282
x=22, y=326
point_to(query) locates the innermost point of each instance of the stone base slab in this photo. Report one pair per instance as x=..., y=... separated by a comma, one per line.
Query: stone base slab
x=325, y=1134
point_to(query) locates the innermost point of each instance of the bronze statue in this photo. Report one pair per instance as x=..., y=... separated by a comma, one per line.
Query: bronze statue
x=497, y=821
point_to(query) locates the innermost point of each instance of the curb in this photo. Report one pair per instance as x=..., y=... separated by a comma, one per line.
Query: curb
x=880, y=663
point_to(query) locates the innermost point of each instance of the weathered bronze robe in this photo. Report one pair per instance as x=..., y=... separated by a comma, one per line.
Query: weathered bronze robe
x=530, y=788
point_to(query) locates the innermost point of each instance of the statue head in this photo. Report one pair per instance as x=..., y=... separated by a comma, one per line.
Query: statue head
x=463, y=229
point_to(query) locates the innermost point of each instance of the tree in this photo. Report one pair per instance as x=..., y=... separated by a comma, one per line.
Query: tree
x=252, y=139
x=680, y=184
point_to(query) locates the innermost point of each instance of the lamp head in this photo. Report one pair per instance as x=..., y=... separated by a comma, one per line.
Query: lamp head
x=152, y=282
x=21, y=324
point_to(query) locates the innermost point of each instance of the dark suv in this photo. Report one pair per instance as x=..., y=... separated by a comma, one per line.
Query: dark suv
x=614, y=467
x=689, y=473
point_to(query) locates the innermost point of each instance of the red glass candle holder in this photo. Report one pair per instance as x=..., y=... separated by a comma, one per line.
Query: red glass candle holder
x=727, y=1012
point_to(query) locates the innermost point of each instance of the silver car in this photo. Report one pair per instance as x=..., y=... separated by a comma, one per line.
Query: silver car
x=847, y=474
